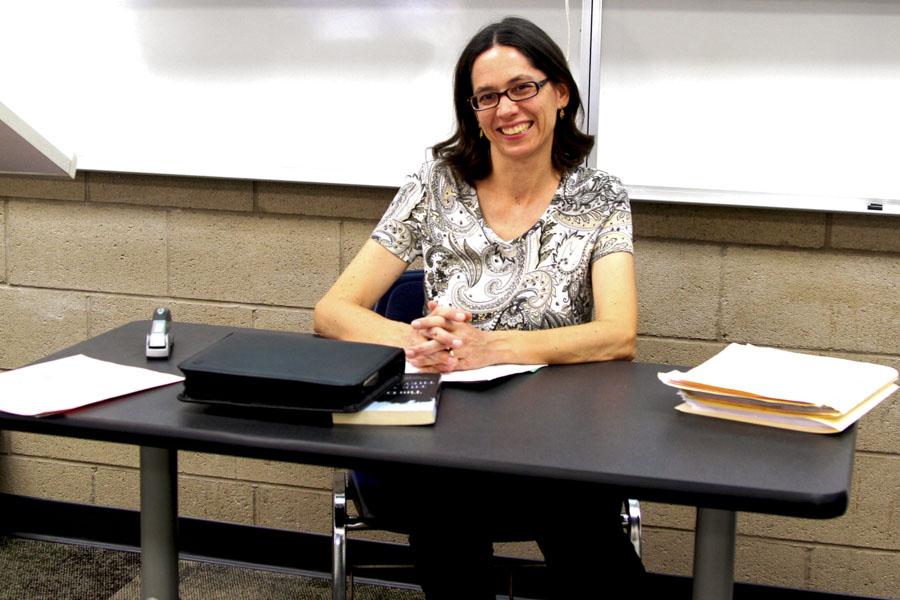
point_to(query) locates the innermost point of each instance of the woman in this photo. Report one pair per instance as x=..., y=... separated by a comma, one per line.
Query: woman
x=528, y=259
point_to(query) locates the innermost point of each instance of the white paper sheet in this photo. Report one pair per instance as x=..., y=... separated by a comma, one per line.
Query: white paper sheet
x=488, y=373
x=71, y=382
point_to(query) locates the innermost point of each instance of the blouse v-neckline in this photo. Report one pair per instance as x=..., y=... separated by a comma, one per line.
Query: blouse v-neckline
x=493, y=236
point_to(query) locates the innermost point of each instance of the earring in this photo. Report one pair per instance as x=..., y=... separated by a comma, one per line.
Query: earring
x=562, y=113
x=480, y=132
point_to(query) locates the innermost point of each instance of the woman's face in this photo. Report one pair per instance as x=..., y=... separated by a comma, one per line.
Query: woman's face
x=516, y=130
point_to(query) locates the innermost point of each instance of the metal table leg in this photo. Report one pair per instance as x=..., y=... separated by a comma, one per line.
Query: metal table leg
x=714, y=554
x=339, y=538
x=159, y=522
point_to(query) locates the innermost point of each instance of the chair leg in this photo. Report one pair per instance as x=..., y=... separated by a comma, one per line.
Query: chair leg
x=632, y=522
x=339, y=537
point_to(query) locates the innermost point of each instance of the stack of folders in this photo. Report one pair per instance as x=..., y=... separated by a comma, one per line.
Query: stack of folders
x=789, y=390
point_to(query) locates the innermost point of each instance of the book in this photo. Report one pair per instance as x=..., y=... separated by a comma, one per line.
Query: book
x=413, y=401
x=779, y=388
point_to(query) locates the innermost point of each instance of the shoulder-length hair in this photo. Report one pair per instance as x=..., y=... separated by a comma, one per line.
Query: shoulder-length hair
x=470, y=155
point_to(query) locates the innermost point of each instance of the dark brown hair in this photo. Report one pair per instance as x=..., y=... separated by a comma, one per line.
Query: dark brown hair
x=470, y=155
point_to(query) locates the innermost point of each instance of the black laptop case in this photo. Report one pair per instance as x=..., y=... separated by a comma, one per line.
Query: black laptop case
x=290, y=371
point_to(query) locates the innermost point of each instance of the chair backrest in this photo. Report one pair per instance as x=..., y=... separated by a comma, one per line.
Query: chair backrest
x=405, y=300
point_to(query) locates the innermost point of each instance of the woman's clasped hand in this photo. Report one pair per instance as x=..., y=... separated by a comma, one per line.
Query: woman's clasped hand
x=450, y=341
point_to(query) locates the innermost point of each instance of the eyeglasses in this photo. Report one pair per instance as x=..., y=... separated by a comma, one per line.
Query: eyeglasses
x=521, y=91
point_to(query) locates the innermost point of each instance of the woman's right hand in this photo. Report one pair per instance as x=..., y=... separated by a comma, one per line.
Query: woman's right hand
x=428, y=355
x=436, y=350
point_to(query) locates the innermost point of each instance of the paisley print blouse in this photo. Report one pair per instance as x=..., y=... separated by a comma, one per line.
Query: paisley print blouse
x=541, y=279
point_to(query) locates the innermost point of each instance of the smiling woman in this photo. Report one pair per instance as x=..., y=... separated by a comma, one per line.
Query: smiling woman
x=520, y=131
x=527, y=260
x=508, y=224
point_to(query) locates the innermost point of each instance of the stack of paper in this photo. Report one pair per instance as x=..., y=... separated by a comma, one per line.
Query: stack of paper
x=790, y=390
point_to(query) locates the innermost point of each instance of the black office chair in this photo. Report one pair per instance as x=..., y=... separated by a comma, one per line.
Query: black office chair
x=405, y=301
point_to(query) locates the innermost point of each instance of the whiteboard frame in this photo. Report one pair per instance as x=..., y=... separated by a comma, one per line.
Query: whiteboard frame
x=42, y=157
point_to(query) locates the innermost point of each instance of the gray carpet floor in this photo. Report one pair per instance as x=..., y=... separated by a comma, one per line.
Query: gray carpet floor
x=39, y=570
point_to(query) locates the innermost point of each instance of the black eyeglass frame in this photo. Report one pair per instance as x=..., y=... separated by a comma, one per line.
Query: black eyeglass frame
x=538, y=85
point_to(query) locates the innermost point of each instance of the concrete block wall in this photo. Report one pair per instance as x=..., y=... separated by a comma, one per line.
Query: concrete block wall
x=80, y=257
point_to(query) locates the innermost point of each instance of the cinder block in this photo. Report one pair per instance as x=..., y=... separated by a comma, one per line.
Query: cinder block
x=204, y=498
x=683, y=353
x=728, y=224
x=855, y=571
x=261, y=260
x=254, y=470
x=678, y=288
x=654, y=514
x=43, y=478
x=2, y=242
x=284, y=319
x=215, y=499
x=35, y=323
x=809, y=299
x=4, y=441
x=94, y=248
x=668, y=551
x=120, y=488
x=879, y=431
x=872, y=519
x=107, y=312
x=379, y=535
x=43, y=188
x=293, y=508
x=353, y=235
x=764, y=562
x=526, y=550
x=355, y=202
x=180, y=192
x=73, y=449
x=768, y=562
x=866, y=232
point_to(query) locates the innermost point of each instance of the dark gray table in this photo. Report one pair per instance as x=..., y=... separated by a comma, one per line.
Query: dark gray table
x=611, y=424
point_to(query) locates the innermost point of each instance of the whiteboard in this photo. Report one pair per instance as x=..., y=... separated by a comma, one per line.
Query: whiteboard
x=752, y=102
x=335, y=91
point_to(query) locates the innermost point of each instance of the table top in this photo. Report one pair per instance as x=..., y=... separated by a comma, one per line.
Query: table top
x=611, y=424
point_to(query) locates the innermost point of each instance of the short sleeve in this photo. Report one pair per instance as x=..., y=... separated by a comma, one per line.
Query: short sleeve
x=401, y=226
x=615, y=234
